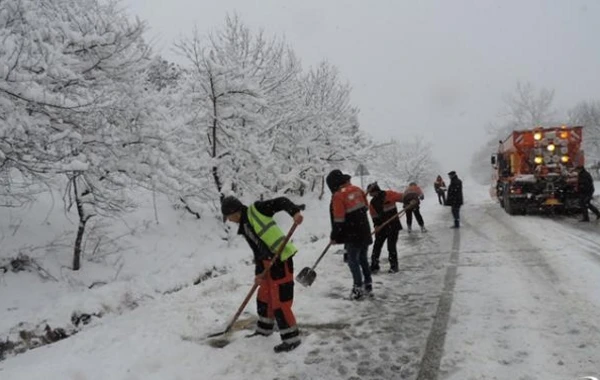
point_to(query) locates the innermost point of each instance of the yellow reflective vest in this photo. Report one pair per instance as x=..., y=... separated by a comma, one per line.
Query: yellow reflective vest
x=269, y=232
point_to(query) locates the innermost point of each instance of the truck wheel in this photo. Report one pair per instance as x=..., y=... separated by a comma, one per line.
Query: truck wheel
x=508, y=206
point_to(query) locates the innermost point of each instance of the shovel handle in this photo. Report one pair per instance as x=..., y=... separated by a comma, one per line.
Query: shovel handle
x=263, y=274
x=320, y=257
x=412, y=204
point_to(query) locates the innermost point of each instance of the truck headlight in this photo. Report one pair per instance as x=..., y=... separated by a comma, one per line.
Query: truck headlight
x=551, y=147
x=564, y=159
x=537, y=136
x=538, y=160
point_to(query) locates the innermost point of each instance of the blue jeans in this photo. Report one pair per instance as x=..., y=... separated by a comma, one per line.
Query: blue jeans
x=359, y=263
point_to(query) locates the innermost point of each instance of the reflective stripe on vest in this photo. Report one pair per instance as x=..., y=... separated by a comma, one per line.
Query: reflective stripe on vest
x=269, y=232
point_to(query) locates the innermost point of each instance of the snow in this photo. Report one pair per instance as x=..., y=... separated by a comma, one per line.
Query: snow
x=504, y=297
x=75, y=165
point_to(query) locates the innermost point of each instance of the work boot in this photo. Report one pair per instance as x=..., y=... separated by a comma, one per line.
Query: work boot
x=393, y=269
x=374, y=267
x=286, y=346
x=356, y=294
x=369, y=290
x=409, y=229
x=423, y=229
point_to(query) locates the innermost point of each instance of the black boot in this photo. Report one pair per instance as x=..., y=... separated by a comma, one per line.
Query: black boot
x=393, y=258
x=374, y=267
x=286, y=346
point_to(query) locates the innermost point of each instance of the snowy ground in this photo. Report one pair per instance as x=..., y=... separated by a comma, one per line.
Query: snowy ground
x=505, y=297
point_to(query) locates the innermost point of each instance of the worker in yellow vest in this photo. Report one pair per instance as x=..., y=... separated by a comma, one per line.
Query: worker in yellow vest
x=276, y=291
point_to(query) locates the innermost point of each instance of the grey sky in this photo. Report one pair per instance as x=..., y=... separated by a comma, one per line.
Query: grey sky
x=433, y=68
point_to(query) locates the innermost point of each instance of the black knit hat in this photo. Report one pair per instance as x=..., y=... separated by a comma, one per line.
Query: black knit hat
x=373, y=187
x=452, y=173
x=335, y=179
x=230, y=205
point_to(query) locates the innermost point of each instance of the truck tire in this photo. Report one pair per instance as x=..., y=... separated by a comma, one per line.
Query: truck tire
x=508, y=206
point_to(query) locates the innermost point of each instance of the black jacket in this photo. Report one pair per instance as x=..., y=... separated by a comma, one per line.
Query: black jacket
x=268, y=208
x=385, y=209
x=585, y=183
x=351, y=224
x=455, y=194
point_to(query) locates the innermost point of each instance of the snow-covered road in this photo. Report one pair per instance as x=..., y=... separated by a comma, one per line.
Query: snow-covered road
x=504, y=297
x=527, y=299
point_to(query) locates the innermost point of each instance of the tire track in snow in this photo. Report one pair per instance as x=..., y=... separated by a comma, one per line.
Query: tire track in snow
x=548, y=324
x=434, y=348
x=580, y=238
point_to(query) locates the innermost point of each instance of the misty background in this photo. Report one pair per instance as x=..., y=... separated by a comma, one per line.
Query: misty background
x=438, y=69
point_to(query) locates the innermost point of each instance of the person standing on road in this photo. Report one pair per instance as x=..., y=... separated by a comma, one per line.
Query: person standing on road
x=382, y=208
x=413, y=193
x=350, y=226
x=585, y=186
x=455, y=197
x=440, y=189
x=276, y=290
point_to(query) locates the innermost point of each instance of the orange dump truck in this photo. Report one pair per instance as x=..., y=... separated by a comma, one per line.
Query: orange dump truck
x=533, y=169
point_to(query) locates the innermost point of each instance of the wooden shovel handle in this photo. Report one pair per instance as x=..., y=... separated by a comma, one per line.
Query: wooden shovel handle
x=412, y=204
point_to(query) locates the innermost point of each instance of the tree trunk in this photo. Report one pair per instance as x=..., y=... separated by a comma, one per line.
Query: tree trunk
x=81, y=229
x=78, y=240
x=215, y=171
x=322, y=187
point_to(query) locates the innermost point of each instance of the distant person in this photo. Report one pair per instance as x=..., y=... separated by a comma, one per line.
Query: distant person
x=455, y=197
x=585, y=187
x=350, y=226
x=276, y=291
x=413, y=193
x=383, y=208
x=440, y=189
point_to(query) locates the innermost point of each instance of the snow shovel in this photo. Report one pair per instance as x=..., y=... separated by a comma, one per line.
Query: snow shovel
x=308, y=275
x=223, y=342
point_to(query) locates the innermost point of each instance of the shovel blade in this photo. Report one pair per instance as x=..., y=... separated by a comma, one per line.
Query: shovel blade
x=217, y=333
x=306, y=276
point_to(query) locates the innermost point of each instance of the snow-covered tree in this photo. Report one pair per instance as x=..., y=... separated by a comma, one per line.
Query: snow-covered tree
x=74, y=100
x=528, y=107
x=525, y=108
x=587, y=114
x=257, y=125
x=326, y=135
x=399, y=163
x=221, y=98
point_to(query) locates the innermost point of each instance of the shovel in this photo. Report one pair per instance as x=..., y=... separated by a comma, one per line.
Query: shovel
x=223, y=342
x=308, y=275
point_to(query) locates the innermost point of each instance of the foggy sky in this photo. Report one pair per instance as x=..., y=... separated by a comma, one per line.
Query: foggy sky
x=438, y=69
